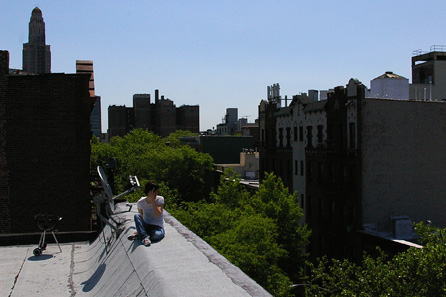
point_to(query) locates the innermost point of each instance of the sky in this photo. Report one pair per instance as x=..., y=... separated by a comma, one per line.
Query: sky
x=224, y=54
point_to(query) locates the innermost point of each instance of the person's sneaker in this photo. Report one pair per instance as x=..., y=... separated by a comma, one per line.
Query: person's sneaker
x=133, y=236
x=146, y=241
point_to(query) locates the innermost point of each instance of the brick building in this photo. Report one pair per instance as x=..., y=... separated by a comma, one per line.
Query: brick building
x=187, y=117
x=85, y=66
x=165, y=116
x=276, y=153
x=332, y=174
x=161, y=117
x=381, y=167
x=120, y=120
x=142, y=111
x=44, y=149
x=364, y=168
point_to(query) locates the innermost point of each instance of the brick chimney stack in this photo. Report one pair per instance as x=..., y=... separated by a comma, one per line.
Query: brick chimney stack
x=4, y=62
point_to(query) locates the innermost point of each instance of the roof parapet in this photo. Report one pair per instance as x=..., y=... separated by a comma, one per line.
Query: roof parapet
x=433, y=48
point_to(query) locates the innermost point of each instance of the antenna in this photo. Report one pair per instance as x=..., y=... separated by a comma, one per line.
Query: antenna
x=108, y=200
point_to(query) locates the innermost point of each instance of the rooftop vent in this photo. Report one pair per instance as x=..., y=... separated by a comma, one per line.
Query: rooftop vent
x=402, y=227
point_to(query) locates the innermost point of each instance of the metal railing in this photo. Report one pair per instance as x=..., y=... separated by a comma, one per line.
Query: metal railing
x=433, y=48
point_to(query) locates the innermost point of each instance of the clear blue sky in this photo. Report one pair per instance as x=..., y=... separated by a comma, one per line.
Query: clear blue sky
x=221, y=54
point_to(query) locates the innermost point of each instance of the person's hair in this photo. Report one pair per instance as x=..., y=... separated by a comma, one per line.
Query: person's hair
x=150, y=186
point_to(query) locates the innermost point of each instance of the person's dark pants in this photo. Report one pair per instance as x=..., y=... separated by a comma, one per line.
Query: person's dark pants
x=155, y=233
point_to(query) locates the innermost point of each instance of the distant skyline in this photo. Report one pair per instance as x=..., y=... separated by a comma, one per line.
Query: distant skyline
x=224, y=54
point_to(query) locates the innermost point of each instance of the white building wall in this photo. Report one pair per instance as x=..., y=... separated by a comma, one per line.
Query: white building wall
x=299, y=155
x=283, y=122
x=315, y=119
x=301, y=119
x=389, y=88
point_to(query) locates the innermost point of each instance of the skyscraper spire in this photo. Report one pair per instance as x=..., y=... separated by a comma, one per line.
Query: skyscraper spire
x=36, y=54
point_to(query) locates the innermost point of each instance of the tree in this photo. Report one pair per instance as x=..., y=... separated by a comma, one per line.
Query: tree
x=250, y=231
x=274, y=201
x=146, y=155
x=415, y=272
x=251, y=244
x=174, y=138
x=230, y=191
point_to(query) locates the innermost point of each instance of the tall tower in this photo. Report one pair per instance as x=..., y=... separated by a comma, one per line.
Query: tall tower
x=36, y=54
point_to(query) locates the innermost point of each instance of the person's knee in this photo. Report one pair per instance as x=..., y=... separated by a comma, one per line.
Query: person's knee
x=157, y=235
x=137, y=216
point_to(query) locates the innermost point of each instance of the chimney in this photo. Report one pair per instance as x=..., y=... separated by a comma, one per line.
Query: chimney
x=4, y=62
x=156, y=96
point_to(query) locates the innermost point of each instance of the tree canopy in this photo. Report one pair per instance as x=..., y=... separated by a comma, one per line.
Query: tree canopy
x=178, y=168
x=415, y=272
x=259, y=233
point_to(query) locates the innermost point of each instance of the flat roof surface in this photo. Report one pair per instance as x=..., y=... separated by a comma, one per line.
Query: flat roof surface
x=182, y=264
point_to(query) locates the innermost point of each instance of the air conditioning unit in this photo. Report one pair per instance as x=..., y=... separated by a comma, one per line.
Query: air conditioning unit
x=402, y=227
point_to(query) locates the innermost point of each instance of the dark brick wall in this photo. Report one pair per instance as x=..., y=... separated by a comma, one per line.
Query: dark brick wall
x=161, y=118
x=165, y=117
x=117, y=121
x=141, y=106
x=5, y=225
x=225, y=149
x=188, y=118
x=47, y=147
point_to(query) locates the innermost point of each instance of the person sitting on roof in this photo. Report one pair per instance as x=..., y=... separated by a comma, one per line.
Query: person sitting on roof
x=149, y=221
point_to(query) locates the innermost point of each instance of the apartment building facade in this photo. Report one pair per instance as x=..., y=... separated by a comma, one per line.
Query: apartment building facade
x=358, y=164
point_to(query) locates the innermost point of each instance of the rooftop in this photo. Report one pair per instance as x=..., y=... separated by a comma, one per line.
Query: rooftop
x=36, y=11
x=315, y=106
x=182, y=264
x=390, y=74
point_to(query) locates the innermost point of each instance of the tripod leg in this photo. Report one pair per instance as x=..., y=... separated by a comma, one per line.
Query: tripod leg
x=56, y=241
x=41, y=237
x=42, y=241
x=105, y=240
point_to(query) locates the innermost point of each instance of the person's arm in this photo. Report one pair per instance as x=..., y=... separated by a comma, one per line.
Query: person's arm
x=158, y=209
x=140, y=211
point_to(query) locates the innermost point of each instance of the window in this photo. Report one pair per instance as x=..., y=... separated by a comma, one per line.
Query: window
x=295, y=133
x=320, y=133
x=288, y=136
x=296, y=169
x=280, y=137
x=352, y=132
x=301, y=168
x=301, y=132
x=309, y=136
x=302, y=201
